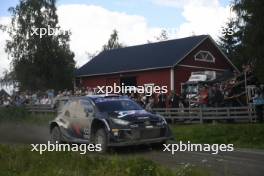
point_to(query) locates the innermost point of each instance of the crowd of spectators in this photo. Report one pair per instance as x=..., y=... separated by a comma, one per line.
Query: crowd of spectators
x=48, y=97
x=26, y=97
x=224, y=93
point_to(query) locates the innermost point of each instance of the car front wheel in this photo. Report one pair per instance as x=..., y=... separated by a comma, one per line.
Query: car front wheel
x=100, y=137
x=55, y=135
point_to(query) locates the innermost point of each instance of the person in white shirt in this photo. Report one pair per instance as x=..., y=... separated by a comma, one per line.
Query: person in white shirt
x=6, y=102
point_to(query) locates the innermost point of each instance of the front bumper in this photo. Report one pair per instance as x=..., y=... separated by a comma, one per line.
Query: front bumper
x=139, y=142
x=139, y=136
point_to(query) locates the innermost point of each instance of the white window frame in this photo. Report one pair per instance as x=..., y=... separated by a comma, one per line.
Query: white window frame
x=204, y=60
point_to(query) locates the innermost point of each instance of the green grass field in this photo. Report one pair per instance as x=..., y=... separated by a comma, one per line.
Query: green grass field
x=241, y=135
x=20, y=161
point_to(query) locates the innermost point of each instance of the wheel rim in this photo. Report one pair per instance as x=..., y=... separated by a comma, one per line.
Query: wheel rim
x=99, y=139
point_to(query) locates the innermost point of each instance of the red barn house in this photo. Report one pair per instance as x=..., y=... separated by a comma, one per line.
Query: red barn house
x=168, y=63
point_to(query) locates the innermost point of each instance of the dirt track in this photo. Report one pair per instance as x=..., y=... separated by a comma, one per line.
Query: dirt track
x=240, y=162
x=23, y=133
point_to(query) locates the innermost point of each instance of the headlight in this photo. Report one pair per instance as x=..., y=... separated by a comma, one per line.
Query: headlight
x=120, y=121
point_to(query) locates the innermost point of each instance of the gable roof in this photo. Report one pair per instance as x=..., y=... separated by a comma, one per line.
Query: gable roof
x=141, y=57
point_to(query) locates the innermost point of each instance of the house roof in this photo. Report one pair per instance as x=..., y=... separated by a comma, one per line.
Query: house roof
x=141, y=57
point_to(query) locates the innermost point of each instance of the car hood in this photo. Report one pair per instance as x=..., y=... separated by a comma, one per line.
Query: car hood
x=134, y=115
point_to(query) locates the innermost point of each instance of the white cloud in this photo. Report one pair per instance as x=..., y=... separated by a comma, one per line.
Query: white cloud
x=182, y=3
x=201, y=16
x=92, y=25
x=4, y=62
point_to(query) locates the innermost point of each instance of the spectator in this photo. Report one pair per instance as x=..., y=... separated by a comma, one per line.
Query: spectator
x=150, y=103
x=218, y=97
x=140, y=100
x=6, y=102
x=174, y=100
x=34, y=98
x=215, y=96
x=203, y=96
x=229, y=97
x=162, y=100
x=45, y=100
x=258, y=101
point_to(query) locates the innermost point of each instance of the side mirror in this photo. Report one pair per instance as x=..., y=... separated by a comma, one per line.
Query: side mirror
x=89, y=110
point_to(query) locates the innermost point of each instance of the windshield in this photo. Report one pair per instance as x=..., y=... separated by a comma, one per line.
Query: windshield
x=117, y=105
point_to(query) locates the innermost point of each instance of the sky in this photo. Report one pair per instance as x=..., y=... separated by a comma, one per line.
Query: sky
x=137, y=21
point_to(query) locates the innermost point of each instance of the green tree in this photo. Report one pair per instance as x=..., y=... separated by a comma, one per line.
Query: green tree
x=250, y=33
x=228, y=40
x=163, y=36
x=39, y=62
x=113, y=42
x=7, y=79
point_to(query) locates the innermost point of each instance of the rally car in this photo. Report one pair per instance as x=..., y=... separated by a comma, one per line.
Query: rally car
x=109, y=121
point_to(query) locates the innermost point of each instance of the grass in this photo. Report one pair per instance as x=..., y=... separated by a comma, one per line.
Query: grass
x=20, y=161
x=241, y=135
x=21, y=115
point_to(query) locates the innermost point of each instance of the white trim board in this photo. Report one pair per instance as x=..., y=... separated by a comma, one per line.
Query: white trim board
x=208, y=68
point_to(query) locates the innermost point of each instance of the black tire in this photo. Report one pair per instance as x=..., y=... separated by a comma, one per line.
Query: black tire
x=100, y=137
x=55, y=135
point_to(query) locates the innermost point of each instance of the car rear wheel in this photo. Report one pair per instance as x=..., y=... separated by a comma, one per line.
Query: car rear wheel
x=55, y=135
x=100, y=137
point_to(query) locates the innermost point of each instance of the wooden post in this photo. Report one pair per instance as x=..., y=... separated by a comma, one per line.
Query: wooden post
x=201, y=114
x=250, y=113
x=228, y=112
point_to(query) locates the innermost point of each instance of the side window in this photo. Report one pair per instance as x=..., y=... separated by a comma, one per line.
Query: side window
x=204, y=56
x=88, y=107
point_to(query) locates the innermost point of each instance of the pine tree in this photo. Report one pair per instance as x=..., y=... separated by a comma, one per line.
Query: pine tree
x=250, y=25
x=113, y=42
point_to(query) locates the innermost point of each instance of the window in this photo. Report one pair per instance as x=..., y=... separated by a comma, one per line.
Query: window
x=88, y=107
x=117, y=105
x=205, y=56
